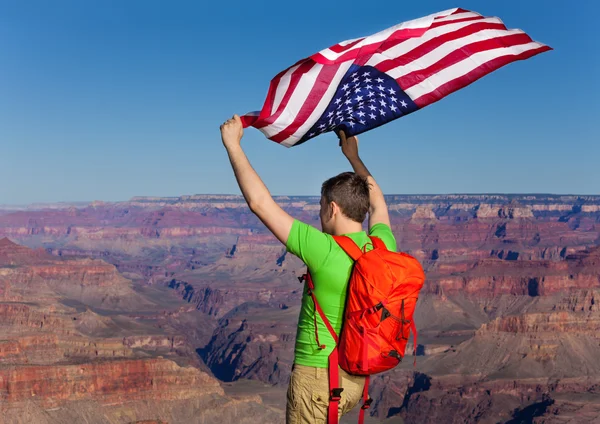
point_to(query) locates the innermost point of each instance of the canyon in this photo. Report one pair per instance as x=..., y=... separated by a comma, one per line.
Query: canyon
x=184, y=309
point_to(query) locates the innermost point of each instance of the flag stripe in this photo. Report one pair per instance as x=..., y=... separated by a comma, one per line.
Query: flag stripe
x=410, y=45
x=326, y=74
x=443, y=44
x=267, y=107
x=291, y=105
x=297, y=76
x=456, y=16
x=308, y=117
x=435, y=31
x=282, y=86
x=347, y=45
x=455, y=51
x=413, y=28
x=467, y=71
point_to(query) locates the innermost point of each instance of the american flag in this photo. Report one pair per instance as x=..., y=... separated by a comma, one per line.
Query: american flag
x=360, y=84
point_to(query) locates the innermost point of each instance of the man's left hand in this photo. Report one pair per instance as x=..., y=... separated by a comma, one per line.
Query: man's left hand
x=232, y=132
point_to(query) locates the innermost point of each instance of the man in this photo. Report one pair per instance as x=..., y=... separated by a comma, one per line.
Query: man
x=345, y=201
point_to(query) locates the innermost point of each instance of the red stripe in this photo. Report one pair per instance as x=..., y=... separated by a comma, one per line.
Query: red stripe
x=434, y=43
x=268, y=105
x=474, y=75
x=294, y=81
x=401, y=34
x=248, y=120
x=338, y=48
x=416, y=77
x=460, y=10
x=392, y=43
x=456, y=21
x=316, y=93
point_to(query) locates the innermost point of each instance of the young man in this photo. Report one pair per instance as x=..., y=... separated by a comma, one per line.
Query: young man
x=345, y=201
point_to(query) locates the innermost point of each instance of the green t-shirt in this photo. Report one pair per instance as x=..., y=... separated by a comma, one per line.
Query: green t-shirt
x=330, y=269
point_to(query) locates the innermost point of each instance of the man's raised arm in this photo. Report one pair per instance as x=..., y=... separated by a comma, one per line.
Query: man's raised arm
x=254, y=190
x=378, y=211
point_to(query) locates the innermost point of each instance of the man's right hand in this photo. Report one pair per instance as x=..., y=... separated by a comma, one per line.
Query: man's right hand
x=349, y=146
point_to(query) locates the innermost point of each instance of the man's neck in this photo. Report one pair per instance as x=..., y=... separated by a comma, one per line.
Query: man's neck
x=347, y=228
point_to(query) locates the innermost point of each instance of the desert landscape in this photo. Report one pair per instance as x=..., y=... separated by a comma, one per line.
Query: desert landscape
x=184, y=310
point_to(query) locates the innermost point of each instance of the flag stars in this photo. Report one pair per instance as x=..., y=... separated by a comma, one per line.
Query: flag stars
x=362, y=100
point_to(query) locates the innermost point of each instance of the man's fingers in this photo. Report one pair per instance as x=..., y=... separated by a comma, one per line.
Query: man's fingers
x=342, y=136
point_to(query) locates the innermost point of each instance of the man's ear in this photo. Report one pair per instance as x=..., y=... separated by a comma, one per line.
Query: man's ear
x=334, y=209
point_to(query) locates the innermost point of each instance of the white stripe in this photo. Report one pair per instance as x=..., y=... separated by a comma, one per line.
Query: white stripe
x=464, y=67
x=424, y=22
x=442, y=51
x=320, y=109
x=413, y=43
x=282, y=87
x=301, y=92
x=345, y=43
x=462, y=15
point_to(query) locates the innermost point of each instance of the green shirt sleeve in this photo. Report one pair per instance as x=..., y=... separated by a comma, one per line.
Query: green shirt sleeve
x=309, y=244
x=384, y=232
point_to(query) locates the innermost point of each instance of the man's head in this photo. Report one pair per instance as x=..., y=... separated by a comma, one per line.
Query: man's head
x=344, y=200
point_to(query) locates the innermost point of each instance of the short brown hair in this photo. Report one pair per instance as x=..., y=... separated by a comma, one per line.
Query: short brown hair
x=350, y=192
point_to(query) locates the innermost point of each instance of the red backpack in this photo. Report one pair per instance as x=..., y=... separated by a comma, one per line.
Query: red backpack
x=382, y=294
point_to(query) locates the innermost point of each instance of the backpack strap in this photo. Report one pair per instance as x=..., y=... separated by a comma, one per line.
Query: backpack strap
x=413, y=328
x=366, y=401
x=335, y=391
x=378, y=243
x=348, y=245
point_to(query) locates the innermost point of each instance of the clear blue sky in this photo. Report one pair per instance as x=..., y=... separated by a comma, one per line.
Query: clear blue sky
x=111, y=99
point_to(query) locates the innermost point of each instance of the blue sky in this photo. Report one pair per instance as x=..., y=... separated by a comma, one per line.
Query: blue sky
x=112, y=99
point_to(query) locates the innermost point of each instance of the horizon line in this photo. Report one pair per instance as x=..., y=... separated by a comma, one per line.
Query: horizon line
x=238, y=195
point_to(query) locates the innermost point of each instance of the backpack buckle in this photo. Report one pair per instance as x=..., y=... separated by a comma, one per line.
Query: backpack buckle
x=336, y=394
x=367, y=404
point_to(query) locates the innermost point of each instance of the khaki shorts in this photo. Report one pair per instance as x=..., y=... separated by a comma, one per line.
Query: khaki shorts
x=308, y=394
